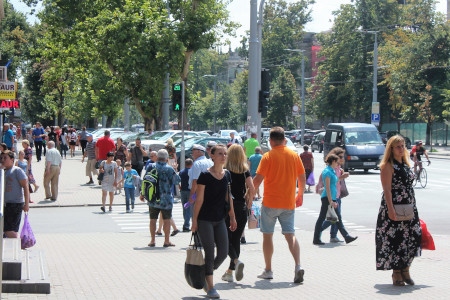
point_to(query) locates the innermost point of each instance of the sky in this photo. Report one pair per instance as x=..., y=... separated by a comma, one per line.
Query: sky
x=240, y=12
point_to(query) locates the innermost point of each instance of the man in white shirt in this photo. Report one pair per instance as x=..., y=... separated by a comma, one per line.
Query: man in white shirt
x=53, y=164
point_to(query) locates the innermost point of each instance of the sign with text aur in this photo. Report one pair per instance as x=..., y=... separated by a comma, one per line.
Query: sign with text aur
x=7, y=90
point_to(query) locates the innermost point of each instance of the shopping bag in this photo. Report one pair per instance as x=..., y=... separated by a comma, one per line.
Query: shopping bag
x=310, y=180
x=252, y=220
x=27, y=238
x=194, y=267
x=427, y=239
x=331, y=215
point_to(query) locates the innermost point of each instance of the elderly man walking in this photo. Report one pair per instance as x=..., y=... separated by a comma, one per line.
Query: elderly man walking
x=167, y=177
x=280, y=168
x=53, y=164
x=201, y=164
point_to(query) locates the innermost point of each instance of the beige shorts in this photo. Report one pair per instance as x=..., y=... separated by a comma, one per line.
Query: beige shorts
x=90, y=167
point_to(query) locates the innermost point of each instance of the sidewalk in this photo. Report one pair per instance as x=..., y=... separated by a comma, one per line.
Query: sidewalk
x=121, y=266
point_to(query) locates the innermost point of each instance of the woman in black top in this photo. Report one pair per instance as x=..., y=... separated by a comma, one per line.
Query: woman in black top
x=240, y=181
x=210, y=210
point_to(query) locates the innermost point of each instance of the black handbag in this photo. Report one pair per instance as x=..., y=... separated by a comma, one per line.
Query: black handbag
x=194, y=267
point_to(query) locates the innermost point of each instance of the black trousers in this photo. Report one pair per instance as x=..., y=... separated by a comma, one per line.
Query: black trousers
x=234, y=237
x=38, y=145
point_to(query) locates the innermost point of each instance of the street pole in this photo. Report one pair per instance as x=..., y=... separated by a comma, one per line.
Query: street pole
x=182, y=155
x=254, y=69
x=375, y=69
x=166, y=103
x=215, y=98
x=303, y=101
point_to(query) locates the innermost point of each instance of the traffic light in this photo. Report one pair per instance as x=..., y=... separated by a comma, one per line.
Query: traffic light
x=264, y=93
x=176, y=97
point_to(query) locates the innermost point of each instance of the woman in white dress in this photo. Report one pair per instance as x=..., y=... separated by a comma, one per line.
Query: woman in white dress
x=108, y=168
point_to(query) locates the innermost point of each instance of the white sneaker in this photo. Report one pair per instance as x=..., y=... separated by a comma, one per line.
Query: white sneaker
x=227, y=277
x=239, y=270
x=298, y=278
x=266, y=275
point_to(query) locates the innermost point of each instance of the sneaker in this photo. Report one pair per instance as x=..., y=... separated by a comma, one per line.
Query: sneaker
x=227, y=277
x=212, y=294
x=298, y=278
x=349, y=239
x=102, y=208
x=266, y=275
x=239, y=270
x=132, y=205
x=110, y=208
x=128, y=211
x=335, y=240
x=243, y=241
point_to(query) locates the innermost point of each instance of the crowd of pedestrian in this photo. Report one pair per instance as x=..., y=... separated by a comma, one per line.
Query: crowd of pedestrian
x=217, y=188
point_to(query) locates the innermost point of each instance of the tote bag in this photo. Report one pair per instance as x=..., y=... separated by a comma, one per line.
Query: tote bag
x=194, y=267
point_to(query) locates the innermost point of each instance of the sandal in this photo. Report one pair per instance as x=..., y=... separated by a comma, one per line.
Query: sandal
x=169, y=245
x=151, y=244
x=395, y=278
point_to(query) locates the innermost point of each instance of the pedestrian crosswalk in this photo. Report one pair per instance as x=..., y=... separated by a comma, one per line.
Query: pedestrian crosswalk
x=138, y=220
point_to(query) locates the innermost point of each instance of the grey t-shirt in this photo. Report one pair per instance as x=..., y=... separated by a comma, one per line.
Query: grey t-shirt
x=13, y=190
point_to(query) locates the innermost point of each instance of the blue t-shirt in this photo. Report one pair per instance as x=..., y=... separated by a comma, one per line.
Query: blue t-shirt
x=329, y=172
x=184, y=175
x=254, y=159
x=36, y=133
x=128, y=181
x=8, y=138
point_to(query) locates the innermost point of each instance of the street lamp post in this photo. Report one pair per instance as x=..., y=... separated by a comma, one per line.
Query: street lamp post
x=215, y=97
x=302, y=112
x=375, y=117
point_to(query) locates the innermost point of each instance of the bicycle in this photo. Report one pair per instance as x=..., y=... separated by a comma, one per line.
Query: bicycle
x=421, y=176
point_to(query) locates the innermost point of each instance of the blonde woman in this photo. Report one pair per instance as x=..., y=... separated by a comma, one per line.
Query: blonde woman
x=240, y=180
x=397, y=242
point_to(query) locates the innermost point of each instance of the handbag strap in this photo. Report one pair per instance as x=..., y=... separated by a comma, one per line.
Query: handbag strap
x=197, y=244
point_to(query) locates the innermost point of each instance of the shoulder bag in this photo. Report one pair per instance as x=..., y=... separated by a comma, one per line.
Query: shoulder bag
x=404, y=212
x=344, y=191
x=194, y=266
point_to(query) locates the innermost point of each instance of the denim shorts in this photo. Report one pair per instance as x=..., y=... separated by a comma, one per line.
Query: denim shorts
x=269, y=217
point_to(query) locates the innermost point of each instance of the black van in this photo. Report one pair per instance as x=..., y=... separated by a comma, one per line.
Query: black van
x=362, y=143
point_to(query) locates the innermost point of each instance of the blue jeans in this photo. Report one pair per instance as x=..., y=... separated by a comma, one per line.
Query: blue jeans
x=187, y=212
x=334, y=227
x=129, y=195
x=322, y=217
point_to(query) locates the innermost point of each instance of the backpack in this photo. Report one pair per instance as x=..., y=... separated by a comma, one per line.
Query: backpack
x=150, y=186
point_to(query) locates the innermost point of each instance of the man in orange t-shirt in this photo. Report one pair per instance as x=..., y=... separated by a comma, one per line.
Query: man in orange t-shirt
x=280, y=168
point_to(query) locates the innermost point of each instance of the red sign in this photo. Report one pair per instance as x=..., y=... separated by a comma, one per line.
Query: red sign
x=9, y=104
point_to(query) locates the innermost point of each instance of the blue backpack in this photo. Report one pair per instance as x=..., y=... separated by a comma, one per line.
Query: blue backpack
x=150, y=186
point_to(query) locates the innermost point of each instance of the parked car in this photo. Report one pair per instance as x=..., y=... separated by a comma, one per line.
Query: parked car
x=265, y=145
x=226, y=134
x=293, y=135
x=388, y=134
x=243, y=135
x=201, y=141
x=309, y=135
x=317, y=143
x=175, y=135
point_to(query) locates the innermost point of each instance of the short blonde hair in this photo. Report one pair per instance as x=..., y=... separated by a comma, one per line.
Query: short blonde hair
x=27, y=142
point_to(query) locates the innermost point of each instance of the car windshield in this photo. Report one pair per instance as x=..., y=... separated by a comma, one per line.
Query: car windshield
x=362, y=137
x=162, y=135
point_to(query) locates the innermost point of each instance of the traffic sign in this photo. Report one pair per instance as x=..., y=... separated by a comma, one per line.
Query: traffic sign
x=375, y=117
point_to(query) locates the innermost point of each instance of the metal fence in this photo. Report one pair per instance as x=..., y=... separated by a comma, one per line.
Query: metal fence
x=418, y=131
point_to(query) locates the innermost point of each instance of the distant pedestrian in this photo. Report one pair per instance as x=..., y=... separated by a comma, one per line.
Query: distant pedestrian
x=38, y=134
x=53, y=165
x=109, y=169
x=72, y=141
x=8, y=136
x=129, y=177
x=136, y=156
x=184, y=189
x=29, y=158
x=82, y=138
x=119, y=178
x=232, y=139
x=63, y=142
x=91, y=159
x=121, y=151
x=253, y=162
x=16, y=195
x=251, y=144
x=280, y=168
x=308, y=163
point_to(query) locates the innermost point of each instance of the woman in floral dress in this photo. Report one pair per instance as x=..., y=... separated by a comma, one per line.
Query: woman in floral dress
x=397, y=242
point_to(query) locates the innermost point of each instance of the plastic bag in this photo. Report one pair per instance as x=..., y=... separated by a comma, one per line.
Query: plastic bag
x=27, y=238
x=310, y=180
x=427, y=239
